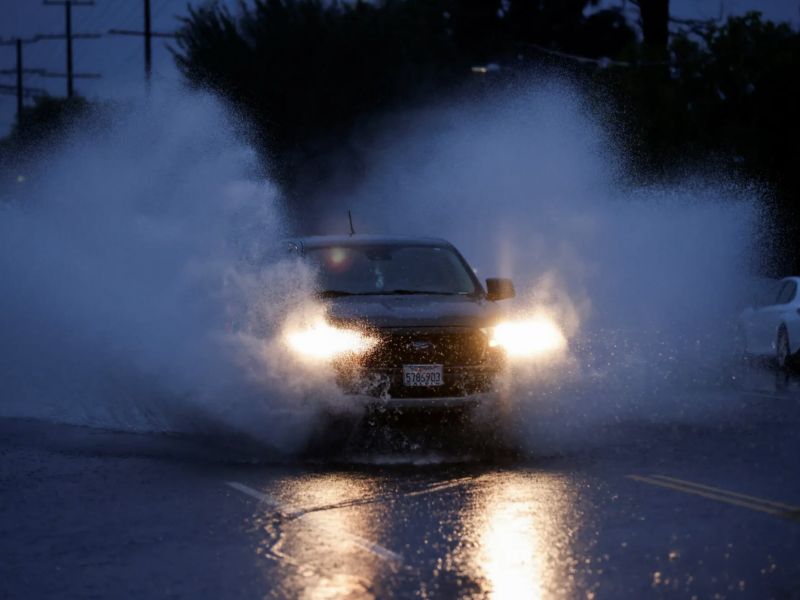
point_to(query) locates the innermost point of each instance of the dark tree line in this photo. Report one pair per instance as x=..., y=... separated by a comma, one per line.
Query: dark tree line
x=694, y=91
x=305, y=71
x=308, y=73
x=38, y=128
x=732, y=95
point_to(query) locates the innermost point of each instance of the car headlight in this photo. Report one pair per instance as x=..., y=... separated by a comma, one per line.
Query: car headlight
x=491, y=338
x=324, y=341
x=526, y=338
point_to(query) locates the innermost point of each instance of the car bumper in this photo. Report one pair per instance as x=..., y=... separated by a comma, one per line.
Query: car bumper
x=464, y=386
x=466, y=401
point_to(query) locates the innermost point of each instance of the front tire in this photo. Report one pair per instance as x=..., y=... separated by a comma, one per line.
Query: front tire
x=783, y=355
x=783, y=351
x=331, y=435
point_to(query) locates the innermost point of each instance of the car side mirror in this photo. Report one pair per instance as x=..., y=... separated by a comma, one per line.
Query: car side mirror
x=499, y=289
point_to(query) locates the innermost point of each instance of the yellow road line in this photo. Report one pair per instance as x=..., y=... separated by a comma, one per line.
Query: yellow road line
x=727, y=493
x=691, y=490
x=763, y=395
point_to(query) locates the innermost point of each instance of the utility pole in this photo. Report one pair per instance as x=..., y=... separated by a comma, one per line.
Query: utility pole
x=21, y=92
x=19, y=79
x=148, y=50
x=148, y=35
x=68, y=6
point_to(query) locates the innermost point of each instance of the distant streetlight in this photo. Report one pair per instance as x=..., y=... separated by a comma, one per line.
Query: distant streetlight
x=490, y=68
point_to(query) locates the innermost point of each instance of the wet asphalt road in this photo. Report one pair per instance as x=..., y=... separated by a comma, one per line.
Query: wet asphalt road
x=676, y=511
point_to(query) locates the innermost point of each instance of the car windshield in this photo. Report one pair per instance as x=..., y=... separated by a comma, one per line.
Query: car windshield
x=390, y=269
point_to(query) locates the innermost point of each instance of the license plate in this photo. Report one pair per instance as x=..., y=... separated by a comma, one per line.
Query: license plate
x=423, y=375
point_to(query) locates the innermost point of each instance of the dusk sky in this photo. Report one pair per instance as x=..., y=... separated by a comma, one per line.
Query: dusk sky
x=119, y=59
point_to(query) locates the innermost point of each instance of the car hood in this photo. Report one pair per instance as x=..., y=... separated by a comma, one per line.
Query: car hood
x=414, y=311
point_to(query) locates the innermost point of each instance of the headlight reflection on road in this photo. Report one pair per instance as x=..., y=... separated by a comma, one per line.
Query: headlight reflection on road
x=324, y=341
x=335, y=566
x=522, y=533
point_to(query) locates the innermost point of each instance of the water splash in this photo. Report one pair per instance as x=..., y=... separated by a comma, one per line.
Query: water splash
x=143, y=289
x=143, y=284
x=644, y=280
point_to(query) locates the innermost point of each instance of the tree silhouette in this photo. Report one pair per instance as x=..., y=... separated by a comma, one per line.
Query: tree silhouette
x=304, y=71
x=305, y=74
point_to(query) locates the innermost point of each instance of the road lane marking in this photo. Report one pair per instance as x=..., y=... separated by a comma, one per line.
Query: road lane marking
x=728, y=493
x=313, y=519
x=722, y=496
x=764, y=395
x=387, y=496
x=439, y=487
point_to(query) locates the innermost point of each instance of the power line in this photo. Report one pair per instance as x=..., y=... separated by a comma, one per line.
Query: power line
x=162, y=6
x=97, y=18
x=600, y=62
x=13, y=41
x=89, y=19
x=152, y=33
x=49, y=52
x=148, y=45
x=46, y=73
x=19, y=72
x=20, y=90
x=26, y=71
x=28, y=92
x=73, y=75
x=148, y=35
x=128, y=18
x=68, y=35
x=62, y=36
x=53, y=55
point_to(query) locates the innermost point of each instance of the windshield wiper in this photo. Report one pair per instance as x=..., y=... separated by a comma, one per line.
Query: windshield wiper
x=340, y=293
x=403, y=292
x=334, y=294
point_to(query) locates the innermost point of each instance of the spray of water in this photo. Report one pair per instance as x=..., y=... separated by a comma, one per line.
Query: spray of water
x=644, y=281
x=143, y=288
x=138, y=248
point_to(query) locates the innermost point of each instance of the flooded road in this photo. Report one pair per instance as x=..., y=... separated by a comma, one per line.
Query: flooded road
x=665, y=510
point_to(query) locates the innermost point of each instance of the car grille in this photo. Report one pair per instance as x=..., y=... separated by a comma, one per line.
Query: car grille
x=447, y=346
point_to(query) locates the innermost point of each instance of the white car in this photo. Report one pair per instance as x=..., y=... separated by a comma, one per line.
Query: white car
x=771, y=329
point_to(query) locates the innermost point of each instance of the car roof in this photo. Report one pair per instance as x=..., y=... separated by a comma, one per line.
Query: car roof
x=319, y=241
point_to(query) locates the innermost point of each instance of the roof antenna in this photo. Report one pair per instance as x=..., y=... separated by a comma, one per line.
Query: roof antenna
x=352, y=231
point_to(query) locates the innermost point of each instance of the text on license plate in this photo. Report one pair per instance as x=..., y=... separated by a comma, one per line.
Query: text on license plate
x=421, y=375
